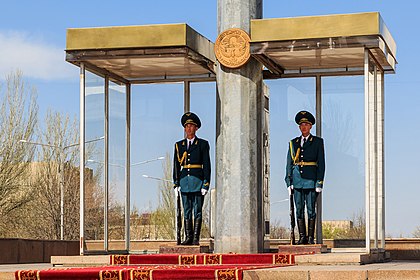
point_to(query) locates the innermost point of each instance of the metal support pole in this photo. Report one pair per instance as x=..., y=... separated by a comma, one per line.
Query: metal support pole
x=367, y=152
x=61, y=179
x=127, y=166
x=106, y=161
x=318, y=108
x=375, y=158
x=187, y=96
x=82, y=157
x=382, y=157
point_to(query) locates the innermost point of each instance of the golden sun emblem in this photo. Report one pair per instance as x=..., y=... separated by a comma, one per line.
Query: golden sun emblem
x=232, y=48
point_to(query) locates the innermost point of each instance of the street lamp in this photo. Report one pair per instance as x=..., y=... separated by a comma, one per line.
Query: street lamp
x=146, y=161
x=60, y=173
x=122, y=166
x=279, y=201
x=155, y=178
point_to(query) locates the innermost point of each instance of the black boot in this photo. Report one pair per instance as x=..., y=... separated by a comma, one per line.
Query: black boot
x=188, y=232
x=311, y=231
x=197, y=229
x=302, y=232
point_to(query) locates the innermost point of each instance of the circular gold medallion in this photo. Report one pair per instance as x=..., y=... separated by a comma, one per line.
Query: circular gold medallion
x=232, y=48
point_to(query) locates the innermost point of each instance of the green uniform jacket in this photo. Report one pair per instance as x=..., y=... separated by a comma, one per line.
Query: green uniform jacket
x=311, y=152
x=192, y=169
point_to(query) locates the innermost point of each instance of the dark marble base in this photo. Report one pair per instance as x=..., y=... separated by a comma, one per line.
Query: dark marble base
x=180, y=249
x=302, y=249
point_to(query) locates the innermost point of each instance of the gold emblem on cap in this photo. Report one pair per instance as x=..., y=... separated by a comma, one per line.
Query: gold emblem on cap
x=232, y=48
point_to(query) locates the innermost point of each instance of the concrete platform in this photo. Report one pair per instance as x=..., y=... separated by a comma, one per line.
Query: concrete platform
x=180, y=249
x=382, y=271
x=350, y=257
x=302, y=249
x=77, y=261
x=342, y=258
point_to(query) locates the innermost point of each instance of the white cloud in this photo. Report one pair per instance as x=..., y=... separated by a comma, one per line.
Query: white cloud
x=36, y=59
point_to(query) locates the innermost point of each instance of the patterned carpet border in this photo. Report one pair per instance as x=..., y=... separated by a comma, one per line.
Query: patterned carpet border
x=196, y=259
x=145, y=272
x=165, y=266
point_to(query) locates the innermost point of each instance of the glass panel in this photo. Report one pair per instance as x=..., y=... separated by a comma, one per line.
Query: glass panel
x=156, y=111
x=203, y=103
x=94, y=156
x=116, y=169
x=287, y=97
x=343, y=133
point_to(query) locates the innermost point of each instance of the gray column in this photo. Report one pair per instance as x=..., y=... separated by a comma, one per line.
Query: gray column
x=239, y=91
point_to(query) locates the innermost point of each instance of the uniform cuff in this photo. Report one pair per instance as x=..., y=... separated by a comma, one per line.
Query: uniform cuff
x=319, y=184
x=206, y=185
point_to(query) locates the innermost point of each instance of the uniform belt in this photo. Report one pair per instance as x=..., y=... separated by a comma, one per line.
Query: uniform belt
x=193, y=166
x=306, y=163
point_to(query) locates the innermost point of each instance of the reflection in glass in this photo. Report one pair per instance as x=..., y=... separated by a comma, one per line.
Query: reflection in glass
x=343, y=133
x=203, y=103
x=155, y=127
x=287, y=97
x=94, y=173
x=117, y=162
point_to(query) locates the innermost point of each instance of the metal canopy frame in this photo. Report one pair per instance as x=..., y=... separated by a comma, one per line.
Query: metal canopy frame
x=152, y=65
x=330, y=45
x=143, y=54
x=133, y=55
x=337, y=45
x=333, y=45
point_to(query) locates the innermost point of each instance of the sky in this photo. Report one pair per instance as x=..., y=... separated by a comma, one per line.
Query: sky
x=33, y=39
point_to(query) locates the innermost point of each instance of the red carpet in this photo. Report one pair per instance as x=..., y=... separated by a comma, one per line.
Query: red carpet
x=155, y=267
x=204, y=259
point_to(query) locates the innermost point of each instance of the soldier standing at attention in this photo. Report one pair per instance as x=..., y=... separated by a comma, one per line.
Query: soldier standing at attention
x=191, y=175
x=305, y=171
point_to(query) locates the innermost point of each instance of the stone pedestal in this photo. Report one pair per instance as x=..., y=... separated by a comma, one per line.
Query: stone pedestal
x=303, y=249
x=174, y=249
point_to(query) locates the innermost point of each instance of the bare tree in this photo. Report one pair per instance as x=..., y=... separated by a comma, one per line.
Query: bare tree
x=57, y=165
x=164, y=216
x=278, y=231
x=18, y=119
x=416, y=233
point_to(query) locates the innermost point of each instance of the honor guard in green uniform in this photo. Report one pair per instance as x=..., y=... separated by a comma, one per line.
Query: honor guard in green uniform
x=305, y=171
x=191, y=175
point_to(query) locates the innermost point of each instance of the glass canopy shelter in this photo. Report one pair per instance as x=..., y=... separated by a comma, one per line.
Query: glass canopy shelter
x=337, y=45
x=111, y=59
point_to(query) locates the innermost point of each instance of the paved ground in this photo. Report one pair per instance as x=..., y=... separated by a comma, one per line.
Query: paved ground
x=395, y=270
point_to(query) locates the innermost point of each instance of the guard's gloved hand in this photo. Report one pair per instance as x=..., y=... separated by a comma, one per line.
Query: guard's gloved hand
x=318, y=189
x=289, y=189
x=204, y=191
x=176, y=190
